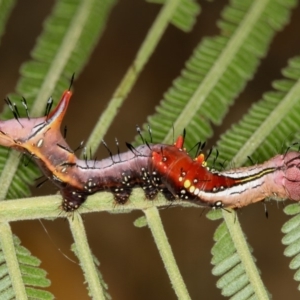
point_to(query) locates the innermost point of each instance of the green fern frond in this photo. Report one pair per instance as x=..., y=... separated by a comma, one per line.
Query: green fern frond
x=69, y=36
x=291, y=239
x=185, y=15
x=269, y=122
x=272, y=119
x=33, y=277
x=218, y=70
x=234, y=281
x=5, y=9
x=232, y=257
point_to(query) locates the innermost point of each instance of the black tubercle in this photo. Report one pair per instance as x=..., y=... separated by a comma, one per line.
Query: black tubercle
x=72, y=199
x=24, y=103
x=65, y=148
x=48, y=107
x=71, y=81
x=79, y=147
x=14, y=110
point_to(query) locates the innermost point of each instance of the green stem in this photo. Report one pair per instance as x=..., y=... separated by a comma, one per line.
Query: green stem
x=154, y=35
x=244, y=253
x=85, y=256
x=164, y=248
x=8, y=173
x=50, y=206
x=8, y=248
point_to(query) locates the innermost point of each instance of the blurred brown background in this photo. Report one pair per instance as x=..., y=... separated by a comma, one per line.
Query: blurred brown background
x=129, y=260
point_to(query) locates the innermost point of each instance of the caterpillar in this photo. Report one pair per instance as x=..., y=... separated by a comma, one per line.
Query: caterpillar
x=153, y=167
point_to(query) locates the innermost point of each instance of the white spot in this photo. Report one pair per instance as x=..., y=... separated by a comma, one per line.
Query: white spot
x=40, y=143
x=196, y=192
x=218, y=204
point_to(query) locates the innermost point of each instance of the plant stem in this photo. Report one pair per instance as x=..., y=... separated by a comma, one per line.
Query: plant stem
x=85, y=257
x=154, y=35
x=50, y=206
x=8, y=173
x=245, y=255
x=8, y=248
x=165, y=251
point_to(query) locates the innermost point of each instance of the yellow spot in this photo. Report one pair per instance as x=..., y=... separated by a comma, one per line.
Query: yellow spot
x=201, y=160
x=187, y=184
x=192, y=188
x=180, y=179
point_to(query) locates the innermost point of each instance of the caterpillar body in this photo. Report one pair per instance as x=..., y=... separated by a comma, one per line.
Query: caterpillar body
x=154, y=167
